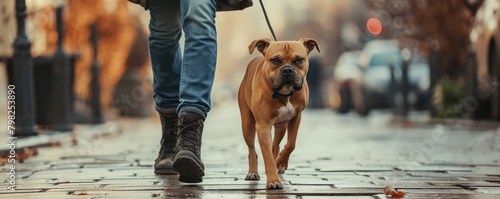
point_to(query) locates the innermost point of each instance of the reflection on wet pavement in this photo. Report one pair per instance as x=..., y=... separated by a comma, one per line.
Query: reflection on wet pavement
x=342, y=156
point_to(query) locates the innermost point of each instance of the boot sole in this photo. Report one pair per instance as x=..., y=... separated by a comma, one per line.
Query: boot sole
x=165, y=168
x=189, y=167
x=165, y=172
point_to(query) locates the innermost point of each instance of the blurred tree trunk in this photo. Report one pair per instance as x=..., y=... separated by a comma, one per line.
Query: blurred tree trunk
x=8, y=30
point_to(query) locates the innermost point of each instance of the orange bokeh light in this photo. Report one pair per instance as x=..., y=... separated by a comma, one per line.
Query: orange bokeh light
x=374, y=26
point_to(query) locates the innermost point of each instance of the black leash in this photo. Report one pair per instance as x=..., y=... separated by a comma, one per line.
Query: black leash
x=267, y=20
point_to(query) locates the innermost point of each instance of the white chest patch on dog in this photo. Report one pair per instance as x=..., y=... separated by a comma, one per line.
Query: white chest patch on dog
x=286, y=113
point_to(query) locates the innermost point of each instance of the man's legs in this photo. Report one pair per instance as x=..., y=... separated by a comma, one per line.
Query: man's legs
x=197, y=76
x=165, y=32
x=200, y=54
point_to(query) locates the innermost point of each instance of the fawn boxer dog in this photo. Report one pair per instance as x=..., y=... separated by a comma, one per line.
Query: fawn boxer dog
x=273, y=93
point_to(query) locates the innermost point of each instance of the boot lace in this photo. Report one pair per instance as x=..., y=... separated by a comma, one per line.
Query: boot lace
x=168, y=138
x=189, y=132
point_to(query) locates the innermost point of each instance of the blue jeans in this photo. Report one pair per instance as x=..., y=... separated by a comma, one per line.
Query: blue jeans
x=183, y=81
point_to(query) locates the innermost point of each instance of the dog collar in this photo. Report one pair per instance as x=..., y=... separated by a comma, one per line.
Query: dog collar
x=276, y=94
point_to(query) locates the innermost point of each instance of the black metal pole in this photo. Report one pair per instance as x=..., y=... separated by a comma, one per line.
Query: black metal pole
x=393, y=88
x=95, y=83
x=61, y=117
x=23, y=77
x=433, y=63
x=405, y=87
x=471, y=85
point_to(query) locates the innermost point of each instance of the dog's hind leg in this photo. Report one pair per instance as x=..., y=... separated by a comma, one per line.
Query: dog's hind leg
x=279, y=133
x=249, y=135
x=284, y=155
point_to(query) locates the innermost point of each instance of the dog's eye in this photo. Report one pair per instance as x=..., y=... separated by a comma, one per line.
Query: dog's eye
x=299, y=60
x=276, y=61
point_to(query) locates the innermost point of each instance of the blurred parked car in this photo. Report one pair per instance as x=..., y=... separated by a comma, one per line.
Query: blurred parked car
x=345, y=72
x=485, y=38
x=378, y=87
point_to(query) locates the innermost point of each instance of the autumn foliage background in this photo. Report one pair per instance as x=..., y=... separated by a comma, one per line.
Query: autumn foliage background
x=440, y=27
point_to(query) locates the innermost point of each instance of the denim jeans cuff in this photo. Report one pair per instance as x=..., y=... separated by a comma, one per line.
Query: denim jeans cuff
x=166, y=111
x=195, y=110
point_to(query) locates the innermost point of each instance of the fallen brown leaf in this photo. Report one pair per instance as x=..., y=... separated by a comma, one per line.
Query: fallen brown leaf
x=3, y=161
x=390, y=191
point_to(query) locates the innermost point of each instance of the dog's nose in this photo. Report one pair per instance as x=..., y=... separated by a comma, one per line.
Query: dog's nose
x=287, y=70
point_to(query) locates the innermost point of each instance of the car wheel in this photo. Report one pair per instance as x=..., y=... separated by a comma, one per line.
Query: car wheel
x=345, y=100
x=359, y=99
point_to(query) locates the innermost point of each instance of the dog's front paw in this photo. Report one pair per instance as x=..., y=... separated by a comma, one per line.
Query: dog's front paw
x=281, y=166
x=252, y=176
x=274, y=185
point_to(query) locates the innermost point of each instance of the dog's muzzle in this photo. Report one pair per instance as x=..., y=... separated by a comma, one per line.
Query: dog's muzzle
x=287, y=83
x=289, y=78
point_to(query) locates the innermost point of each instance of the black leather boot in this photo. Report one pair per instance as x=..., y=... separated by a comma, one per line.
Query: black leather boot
x=187, y=161
x=164, y=162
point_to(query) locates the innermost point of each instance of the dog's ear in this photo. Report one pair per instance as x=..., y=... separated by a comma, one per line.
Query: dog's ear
x=260, y=44
x=310, y=43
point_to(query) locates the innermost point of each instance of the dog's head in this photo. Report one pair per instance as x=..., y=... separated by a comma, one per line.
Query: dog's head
x=286, y=63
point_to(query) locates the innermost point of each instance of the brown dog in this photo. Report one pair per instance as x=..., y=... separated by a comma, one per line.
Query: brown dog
x=273, y=93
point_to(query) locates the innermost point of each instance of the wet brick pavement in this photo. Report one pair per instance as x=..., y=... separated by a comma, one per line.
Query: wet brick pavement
x=336, y=156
